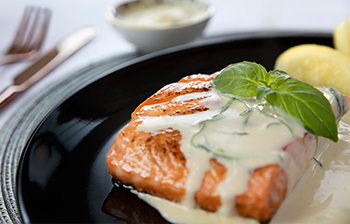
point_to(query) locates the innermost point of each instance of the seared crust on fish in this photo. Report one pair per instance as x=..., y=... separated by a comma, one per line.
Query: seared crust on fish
x=153, y=162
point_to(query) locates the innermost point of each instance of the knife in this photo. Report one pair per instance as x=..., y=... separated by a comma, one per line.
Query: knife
x=47, y=63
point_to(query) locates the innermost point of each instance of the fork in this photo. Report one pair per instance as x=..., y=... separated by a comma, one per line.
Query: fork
x=29, y=36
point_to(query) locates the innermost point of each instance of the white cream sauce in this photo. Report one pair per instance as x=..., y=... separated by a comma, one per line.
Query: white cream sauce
x=161, y=14
x=322, y=195
x=235, y=140
x=179, y=213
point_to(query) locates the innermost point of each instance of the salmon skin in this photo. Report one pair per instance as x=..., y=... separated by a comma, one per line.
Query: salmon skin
x=153, y=161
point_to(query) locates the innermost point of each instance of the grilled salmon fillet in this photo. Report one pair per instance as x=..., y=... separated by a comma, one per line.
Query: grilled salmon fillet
x=153, y=161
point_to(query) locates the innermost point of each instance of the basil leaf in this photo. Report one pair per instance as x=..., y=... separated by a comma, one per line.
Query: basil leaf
x=306, y=103
x=277, y=78
x=240, y=79
x=293, y=97
x=262, y=91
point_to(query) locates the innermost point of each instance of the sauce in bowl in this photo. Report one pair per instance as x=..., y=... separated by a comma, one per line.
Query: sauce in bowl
x=153, y=25
x=162, y=14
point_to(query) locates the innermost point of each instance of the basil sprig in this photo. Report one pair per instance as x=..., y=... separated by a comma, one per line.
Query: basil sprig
x=287, y=96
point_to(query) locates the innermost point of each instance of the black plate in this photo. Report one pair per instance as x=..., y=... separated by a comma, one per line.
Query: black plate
x=63, y=176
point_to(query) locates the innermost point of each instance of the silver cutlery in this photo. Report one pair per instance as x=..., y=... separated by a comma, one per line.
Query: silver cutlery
x=47, y=63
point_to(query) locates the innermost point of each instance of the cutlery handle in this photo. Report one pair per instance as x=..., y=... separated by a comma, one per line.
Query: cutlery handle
x=9, y=94
x=5, y=60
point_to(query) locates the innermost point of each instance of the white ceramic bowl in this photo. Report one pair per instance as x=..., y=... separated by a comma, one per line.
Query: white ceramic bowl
x=156, y=24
